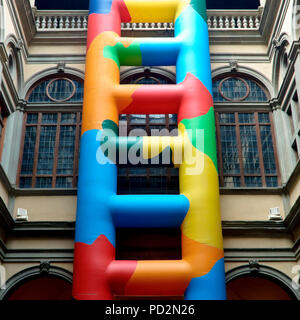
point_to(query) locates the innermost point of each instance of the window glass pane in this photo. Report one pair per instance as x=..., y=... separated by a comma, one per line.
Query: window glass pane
x=272, y=182
x=65, y=161
x=123, y=117
x=39, y=93
x=59, y=89
x=32, y=118
x=25, y=182
x=157, y=118
x=158, y=171
x=64, y=182
x=246, y=118
x=230, y=157
x=268, y=149
x=232, y=182
x=226, y=118
x=78, y=96
x=46, y=150
x=138, y=118
x=147, y=81
x=28, y=153
x=43, y=182
x=68, y=118
x=264, y=117
x=172, y=118
x=49, y=118
x=155, y=79
x=137, y=171
x=256, y=94
x=253, y=182
x=122, y=172
x=216, y=93
x=234, y=89
x=249, y=149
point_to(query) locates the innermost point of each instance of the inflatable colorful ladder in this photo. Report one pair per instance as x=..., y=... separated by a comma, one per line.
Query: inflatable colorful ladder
x=200, y=272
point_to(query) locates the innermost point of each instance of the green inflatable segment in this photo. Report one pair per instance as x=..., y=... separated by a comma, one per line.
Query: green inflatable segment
x=206, y=123
x=200, y=7
x=110, y=125
x=130, y=56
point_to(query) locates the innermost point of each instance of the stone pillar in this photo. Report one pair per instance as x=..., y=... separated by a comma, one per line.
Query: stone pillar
x=286, y=157
x=12, y=141
x=262, y=3
x=297, y=72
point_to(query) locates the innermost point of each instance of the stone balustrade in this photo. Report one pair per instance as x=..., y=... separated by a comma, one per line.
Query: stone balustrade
x=47, y=21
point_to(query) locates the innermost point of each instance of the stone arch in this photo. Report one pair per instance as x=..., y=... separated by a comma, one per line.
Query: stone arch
x=153, y=70
x=257, y=270
x=280, y=55
x=60, y=69
x=44, y=269
x=13, y=46
x=243, y=71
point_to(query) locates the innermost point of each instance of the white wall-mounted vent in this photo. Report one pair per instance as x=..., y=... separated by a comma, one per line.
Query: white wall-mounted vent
x=22, y=215
x=274, y=214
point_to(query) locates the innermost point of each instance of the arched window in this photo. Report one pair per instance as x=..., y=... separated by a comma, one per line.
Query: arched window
x=50, y=143
x=236, y=89
x=246, y=140
x=60, y=89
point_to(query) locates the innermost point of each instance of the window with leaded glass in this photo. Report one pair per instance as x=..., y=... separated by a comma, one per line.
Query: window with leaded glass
x=57, y=90
x=236, y=89
x=50, y=150
x=246, y=149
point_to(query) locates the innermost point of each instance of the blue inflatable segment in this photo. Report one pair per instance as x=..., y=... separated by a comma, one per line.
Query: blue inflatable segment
x=100, y=6
x=194, y=55
x=156, y=52
x=97, y=182
x=210, y=286
x=152, y=211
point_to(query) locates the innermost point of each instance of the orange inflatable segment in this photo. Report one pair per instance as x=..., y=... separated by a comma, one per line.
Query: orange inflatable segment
x=160, y=277
x=201, y=257
x=99, y=104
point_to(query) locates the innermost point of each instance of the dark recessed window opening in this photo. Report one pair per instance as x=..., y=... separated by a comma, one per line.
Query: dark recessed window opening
x=148, y=244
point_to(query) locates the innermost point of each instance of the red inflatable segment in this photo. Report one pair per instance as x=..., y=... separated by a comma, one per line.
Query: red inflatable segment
x=119, y=273
x=150, y=99
x=98, y=23
x=196, y=101
x=90, y=269
x=190, y=99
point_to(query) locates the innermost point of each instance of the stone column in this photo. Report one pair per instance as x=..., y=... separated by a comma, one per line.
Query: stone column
x=12, y=143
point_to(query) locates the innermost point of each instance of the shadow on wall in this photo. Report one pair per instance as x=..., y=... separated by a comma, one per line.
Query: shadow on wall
x=83, y=4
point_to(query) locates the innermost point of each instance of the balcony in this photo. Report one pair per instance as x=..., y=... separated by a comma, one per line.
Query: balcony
x=49, y=21
x=70, y=27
